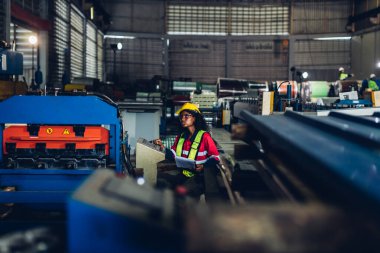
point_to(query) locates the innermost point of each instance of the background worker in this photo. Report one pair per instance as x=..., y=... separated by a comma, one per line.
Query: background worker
x=193, y=142
x=342, y=75
x=363, y=88
x=372, y=83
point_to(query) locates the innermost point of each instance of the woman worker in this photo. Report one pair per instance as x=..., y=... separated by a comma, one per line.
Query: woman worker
x=193, y=142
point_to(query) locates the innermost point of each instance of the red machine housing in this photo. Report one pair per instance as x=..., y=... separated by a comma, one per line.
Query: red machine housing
x=50, y=146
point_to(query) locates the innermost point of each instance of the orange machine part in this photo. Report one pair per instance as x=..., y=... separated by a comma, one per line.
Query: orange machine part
x=56, y=137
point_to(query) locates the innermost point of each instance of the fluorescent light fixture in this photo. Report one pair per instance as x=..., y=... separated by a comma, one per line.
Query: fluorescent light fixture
x=119, y=37
x=92, y=13
x=223, y=34
x=249, y=34
x=333, y=38
x=195, y=33
x=378, y=64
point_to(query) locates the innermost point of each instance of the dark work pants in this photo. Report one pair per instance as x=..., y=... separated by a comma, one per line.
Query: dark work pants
x=200, y=183
x=173, y=179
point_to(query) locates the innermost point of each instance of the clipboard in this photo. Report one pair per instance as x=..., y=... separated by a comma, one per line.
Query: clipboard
x=184, y=163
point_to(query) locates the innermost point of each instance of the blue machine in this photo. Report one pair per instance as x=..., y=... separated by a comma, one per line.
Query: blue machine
x=52, y=185
x=11, y=62
x=112, y=214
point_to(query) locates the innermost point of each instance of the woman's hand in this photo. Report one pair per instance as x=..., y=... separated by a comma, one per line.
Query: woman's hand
x=199, y=167
x=159, y=143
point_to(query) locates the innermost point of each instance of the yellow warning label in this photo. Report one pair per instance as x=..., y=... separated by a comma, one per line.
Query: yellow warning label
x=66, y=131
x=49, y=130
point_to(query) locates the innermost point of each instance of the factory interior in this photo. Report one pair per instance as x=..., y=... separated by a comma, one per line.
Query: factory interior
x=190, y=126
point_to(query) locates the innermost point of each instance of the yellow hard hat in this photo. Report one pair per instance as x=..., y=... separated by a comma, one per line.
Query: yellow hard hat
x=189, y=107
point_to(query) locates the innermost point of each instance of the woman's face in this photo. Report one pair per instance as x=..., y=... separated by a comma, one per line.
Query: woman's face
x=187, y=119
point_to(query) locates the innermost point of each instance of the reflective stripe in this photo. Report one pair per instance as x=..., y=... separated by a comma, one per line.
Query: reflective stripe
x=180, y=145
x=204, y=153
x=195, y=145
x=187, y=173
x=205, y=160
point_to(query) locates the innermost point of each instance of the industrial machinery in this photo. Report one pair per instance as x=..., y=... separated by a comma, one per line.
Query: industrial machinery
x=49, y=144
x=109, y=213
x=55, y=146
x=331, y=159
x=11, y=63
x=227, y=87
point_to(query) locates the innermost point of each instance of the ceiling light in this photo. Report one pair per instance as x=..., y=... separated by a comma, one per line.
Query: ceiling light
x=333, y=38
x=119, y=37
x=33, y=40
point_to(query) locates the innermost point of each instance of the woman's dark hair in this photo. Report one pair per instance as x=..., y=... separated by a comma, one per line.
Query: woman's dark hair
x=200, y=122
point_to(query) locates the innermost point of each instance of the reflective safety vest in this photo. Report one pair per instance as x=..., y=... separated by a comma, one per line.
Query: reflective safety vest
x=194, y=146
x=372, y=85
x=193, y=150
x=343, y=76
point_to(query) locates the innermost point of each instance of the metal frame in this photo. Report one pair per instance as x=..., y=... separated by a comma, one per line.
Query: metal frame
x=338, y=155
x=54, y=185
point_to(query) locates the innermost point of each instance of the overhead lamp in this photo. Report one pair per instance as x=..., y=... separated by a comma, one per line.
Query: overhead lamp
x=119, y=37
x=378, y=64
x=333, y=38
x=302, y=75
x=92, y=13
x=117, y=46
x=32, y=40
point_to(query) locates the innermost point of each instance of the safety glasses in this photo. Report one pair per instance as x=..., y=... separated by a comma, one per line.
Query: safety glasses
x=186, y=116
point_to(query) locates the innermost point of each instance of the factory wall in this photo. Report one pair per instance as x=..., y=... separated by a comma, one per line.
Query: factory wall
x=143, y=16
x=362, y=6
x=366, y=54
x=140, y=58
x=75, y=45
x=4, y=19
x=366, y=42
x=205, y=58
x=201, y=60
x=241, y=51
x=321, y=58
x=313, y=19
x=260, y=60
x=319, y=17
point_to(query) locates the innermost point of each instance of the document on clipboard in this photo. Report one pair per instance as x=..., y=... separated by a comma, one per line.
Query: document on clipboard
x=184, y=163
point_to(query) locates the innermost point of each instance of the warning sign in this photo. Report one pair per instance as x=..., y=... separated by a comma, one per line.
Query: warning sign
x=49, y=130
x=66, y=131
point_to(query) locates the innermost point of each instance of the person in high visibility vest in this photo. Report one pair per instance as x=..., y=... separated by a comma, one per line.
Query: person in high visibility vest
x=372, y=83
x=194, y=142
x=342, y=75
